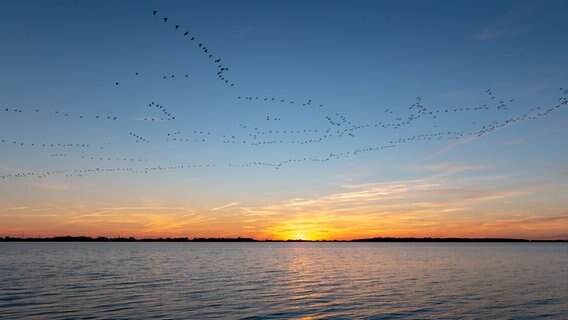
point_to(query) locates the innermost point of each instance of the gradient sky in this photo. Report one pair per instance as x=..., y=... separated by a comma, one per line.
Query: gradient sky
x=356, y=58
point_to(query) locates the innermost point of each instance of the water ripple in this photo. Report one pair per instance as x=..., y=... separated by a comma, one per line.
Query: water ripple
x=283, y=281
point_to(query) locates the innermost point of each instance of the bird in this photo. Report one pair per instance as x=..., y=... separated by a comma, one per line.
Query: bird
x=155, y=11
x=177, y=26
x=165, y=19
x=116, y=83
x=186, y=33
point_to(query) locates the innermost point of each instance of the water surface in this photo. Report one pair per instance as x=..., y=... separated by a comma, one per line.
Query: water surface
x=283, y=280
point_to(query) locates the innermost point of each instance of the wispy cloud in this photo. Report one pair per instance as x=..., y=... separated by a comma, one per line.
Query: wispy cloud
x=188, y=181
x=416, y=207
x=146, y=208
x=446, y=148
x=514, y=23
x=141, y=220
x=52, y=185
x=445, y=168
x=244, y=32
x=12, y=170
x=225, y=206
x=134, y=210
x=495, y=32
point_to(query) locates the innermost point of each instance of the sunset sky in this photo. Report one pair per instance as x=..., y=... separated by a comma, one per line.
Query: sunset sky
x=347, y=65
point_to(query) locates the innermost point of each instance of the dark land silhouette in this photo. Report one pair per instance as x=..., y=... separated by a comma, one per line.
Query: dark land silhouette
x=240, y=239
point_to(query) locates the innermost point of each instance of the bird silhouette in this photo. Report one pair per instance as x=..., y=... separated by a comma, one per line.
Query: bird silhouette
x=325, y=127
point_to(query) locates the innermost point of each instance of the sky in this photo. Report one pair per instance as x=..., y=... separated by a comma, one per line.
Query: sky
x=310, y=119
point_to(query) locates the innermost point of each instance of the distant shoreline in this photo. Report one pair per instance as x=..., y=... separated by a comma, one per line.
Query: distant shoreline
x=239, y=239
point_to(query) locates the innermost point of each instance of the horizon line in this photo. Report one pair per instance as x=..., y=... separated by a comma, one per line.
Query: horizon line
x=69, y=238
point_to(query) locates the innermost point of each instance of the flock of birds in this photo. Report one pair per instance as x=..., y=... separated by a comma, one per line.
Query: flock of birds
x=167, y=115
x=45, y=145
x=59, y=113
x=538, y=112
x=139, y=138
x=274, y=99
x=185, y=32
x=165, y=77
x=331, y=126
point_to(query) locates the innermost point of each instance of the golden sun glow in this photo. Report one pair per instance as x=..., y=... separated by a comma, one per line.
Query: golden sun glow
x=416, y=208
x=300, y=231
x=299, y=236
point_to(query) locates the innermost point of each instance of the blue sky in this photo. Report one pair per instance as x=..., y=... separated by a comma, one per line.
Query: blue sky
x=356, y=59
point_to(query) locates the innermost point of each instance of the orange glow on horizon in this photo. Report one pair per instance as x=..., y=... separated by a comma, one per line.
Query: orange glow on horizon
x=316, y=227
x=414, y=208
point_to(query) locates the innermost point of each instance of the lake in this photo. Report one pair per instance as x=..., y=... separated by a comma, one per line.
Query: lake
x=46, y=280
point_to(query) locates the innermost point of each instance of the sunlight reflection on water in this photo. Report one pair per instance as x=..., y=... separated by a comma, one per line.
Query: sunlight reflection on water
x=283, y=280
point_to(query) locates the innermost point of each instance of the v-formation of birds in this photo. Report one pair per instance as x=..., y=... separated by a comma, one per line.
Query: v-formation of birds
x=332, y=126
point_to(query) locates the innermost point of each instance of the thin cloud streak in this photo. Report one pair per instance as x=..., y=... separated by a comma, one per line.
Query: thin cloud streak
x=516, y=22
x=225, y=206
x=403, y=208
x=503, y=32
